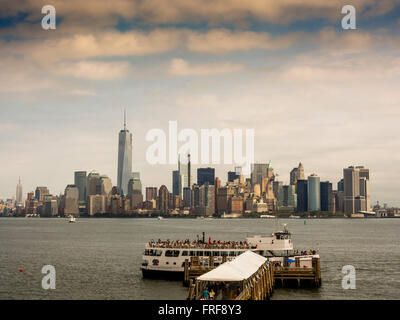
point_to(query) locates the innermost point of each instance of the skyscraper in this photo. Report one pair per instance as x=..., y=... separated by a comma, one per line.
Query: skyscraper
x=124, y=158
x=81, y=183
x=205, y=175
x=302, y=196
x=314, y=193
x=18, y=198
x=326, y=196
x=92, y=183
x=71, y=198
x=351, y=178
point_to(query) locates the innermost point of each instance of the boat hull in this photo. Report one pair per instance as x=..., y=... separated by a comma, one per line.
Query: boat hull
x=162, y=274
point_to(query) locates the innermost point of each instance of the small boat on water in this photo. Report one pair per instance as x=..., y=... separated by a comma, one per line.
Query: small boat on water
x=160, y=218
x=294, y=217
x=71, y=219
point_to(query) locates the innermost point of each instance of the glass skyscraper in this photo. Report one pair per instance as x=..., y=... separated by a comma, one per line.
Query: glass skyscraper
x=124, y=159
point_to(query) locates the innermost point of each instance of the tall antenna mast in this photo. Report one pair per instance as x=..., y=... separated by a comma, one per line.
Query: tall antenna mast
x=124, y=119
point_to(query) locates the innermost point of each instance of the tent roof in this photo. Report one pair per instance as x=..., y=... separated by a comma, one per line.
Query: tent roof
x=238, y=269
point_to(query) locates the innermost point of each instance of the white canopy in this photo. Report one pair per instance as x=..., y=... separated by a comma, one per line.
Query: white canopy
x=238, y=269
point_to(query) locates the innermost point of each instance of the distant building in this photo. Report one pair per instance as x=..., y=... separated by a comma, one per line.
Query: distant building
x=93, y=180
x=302, y=195
x=327, y=199
x=163, y=199
x=124, y=159
x=18, y=198
x=314, y=193
x=80, y=180
x=40, y=193
x=151, y=193
x=293, y=176
x=71, y=198
x=356, y=189
x=50, y=208
x=205, y=175
x=96, y=204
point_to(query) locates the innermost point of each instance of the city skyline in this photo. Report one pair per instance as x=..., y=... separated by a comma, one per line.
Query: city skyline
x=312, y=91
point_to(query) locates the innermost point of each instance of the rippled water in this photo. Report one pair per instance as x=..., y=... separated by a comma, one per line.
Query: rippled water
x=100, y=258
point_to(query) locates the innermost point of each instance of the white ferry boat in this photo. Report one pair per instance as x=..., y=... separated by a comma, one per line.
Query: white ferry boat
x=166, y=259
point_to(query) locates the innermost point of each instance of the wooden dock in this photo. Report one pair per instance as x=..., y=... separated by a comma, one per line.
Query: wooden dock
x=257, y=287
x=247, y=277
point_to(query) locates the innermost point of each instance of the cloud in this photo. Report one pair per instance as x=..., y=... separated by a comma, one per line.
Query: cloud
x=216, y=12
x=180, y=67
x=94, y=70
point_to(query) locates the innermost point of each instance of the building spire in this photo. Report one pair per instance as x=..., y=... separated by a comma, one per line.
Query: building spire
x=124, y=119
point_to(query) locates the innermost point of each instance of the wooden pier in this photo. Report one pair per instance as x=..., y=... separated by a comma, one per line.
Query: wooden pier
x=247, y=277
x=258, y=286
x=297, y=276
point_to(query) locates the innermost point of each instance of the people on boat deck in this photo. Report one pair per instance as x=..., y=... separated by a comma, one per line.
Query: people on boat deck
x=206, y=294
x=200, y=244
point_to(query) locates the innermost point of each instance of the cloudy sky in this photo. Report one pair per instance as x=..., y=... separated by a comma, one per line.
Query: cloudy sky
x=312, y=91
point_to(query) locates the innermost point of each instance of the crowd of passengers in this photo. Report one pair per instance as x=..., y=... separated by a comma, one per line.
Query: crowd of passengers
x=200, y=244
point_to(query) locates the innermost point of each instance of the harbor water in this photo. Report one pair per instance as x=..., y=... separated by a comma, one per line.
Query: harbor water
x=100, y=258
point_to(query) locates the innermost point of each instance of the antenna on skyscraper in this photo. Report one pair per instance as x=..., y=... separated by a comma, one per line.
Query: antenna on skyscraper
x=124, y=119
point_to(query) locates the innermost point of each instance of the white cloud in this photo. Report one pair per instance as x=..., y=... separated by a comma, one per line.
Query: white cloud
x=180, y=67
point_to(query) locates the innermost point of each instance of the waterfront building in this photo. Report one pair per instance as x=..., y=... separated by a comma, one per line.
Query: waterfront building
x=151, y=193
x=293, y=176
x=93, y=180
x=104, y=186
x=327, y=199
x=40, y=193
x=124, y=159
x=313, y=193
x=71, y=198
x=18, y=198
x=302, y=195
x=276, y=187
x=340, y=185
x=356, y=189
x=80, y=180
x=163, y=199
x=300, y=172
x=258, y=172
x=287, y=197
x=187, y=197
x=205, y=175
x=135, y=185
x=206, y=197
x=50, y=208
x=96, y=204
x=217, y=185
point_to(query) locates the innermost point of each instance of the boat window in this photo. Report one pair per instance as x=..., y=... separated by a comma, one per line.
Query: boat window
x=172, y=253
x=192, y=253
x=224, y=253
x=232, y=253
x=185, y=253
x=207, y=253
x=216, y=253
x=153, y=252
x=199, y=253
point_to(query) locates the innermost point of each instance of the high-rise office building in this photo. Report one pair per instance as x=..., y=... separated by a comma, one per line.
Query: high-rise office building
x=104, y=186
x=163, y=199
x=327, y=199
x=92, y=185
x=176, y=182
x=351, y=176
x=340, y=185
x=18, y=196
x=258, y=172
x=293, y=176
x=205, y=175
x=80, y=180
x=71, y=198
x=151, y=193
x=300, y=172
x=124, y=159
x=40, y=193
x=135, y=185
x=302, y=195
x=314, y=193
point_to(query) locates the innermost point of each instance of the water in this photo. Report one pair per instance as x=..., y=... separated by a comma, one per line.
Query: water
x=100, y=258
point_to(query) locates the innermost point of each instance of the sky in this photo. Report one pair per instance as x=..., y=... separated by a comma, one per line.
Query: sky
x=311, y=91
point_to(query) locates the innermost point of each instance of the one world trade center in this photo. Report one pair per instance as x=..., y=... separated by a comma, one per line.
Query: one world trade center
x=124, y=158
